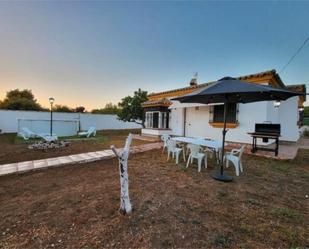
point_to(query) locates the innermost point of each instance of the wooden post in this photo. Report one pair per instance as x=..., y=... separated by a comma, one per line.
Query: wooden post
x=125, y=204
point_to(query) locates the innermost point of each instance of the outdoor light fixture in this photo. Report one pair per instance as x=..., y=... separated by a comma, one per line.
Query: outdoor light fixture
x=51, y=101
x=276, y=103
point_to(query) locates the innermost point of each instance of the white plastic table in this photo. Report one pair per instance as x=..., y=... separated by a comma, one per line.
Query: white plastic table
x=214, y=145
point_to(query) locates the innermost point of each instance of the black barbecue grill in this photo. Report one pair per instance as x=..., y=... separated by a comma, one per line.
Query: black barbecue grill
x=266, y=131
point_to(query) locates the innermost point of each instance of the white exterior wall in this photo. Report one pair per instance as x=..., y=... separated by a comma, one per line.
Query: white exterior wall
x=9, y=121
x=287, y=115
x=288, y=118
x=197, y=121
x=272, y=113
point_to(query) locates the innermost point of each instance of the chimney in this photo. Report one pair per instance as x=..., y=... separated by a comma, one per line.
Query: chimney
x=193, y=81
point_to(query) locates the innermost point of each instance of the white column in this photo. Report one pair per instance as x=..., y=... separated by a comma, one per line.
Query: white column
x=160, y=120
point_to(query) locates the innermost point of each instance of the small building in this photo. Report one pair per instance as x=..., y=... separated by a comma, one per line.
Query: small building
x=164, y=116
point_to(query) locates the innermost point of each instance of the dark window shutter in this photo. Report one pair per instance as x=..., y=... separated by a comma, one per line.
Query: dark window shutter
x=231, y=113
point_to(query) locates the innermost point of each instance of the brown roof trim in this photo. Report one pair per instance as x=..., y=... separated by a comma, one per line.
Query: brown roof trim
x=159, y=102
x=262, y=74
x=297, y=88
x=271, y=73
x=301, y=88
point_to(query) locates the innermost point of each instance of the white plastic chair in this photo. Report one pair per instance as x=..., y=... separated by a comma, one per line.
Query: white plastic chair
x=172, y=148
x=235, y=157
x=48, y=137
x=26, y=133
x=195, y=153
x=91, y=131
x=165, y=138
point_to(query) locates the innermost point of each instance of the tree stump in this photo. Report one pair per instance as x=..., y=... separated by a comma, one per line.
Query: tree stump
x=125, y=204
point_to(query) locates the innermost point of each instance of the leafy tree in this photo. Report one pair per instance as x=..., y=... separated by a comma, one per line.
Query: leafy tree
x=80, y=109
x=131, y=107
x=62, y=108
x=20, y=100
x=109, y=108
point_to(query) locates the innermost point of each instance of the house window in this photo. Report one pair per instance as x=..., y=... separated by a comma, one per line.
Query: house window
x=148, y=120
x=156, y=119
x=231, y=113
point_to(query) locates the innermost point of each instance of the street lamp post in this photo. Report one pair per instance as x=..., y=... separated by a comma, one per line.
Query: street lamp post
x=51, y=101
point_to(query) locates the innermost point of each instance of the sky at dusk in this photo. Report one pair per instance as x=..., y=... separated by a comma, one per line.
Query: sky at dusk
x=91, y=53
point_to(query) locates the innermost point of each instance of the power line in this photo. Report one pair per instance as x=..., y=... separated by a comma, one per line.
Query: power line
x=296, y=53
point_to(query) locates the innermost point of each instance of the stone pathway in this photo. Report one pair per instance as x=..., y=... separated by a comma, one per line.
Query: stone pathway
x=147, y=138
x=77, y=158
x=286, y=151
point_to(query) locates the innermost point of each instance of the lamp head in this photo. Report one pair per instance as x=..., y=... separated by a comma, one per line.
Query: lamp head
x=276, y=103
x=51, y=100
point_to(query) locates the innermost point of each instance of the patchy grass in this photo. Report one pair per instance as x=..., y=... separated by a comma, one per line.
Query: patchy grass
x=15, y=149
x=222, y=240
x=101, y=136
x=222, y=193
x=286, y=213
x=76, y=206
x=253, y=201
x=290, y=236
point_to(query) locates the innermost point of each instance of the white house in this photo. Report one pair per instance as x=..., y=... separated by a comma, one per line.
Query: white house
x=163, y=116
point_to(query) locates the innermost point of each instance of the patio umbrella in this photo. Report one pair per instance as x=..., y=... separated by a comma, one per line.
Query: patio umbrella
x=230, y=90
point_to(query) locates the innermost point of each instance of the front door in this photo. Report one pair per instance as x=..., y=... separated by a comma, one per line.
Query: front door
x=197, y=121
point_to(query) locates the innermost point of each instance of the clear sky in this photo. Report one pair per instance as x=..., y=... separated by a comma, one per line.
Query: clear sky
x=91, y=53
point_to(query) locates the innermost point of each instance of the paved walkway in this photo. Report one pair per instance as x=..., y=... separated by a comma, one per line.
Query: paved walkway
x=77, y=158
x=287, y=151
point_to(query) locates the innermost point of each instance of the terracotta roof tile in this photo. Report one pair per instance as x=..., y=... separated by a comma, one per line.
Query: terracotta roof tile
x=301, y=88
x=159, y=102
x=256, y=75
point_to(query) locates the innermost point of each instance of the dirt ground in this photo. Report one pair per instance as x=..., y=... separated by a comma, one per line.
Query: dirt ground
x=76, y=206
x=13, y=150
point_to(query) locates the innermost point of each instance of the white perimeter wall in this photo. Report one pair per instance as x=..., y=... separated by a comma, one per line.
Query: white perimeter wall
x=197, y=121
x=9, y=120
x=288, y=117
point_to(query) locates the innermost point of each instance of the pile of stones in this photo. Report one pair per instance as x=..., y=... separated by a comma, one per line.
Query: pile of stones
x=44, y=145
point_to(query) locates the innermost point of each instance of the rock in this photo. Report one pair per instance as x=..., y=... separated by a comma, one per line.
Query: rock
x=43, y=145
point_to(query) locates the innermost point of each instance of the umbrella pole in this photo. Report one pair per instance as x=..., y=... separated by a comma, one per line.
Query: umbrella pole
x=220, y=176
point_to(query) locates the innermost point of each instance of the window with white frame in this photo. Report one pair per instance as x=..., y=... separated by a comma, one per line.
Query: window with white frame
x=217, y=113
x=156, y=119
